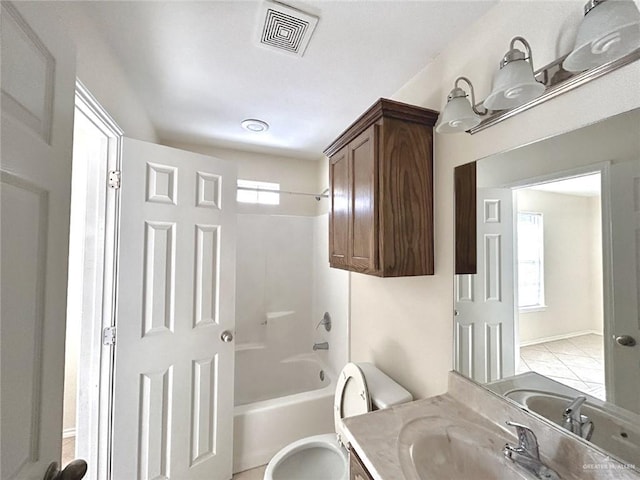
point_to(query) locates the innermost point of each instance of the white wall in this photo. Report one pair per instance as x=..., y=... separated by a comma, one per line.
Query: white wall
x=572, y=266
x=330, y=294
x=405, y=325
x=332, y=285
x=100, y=71
x=578, y=151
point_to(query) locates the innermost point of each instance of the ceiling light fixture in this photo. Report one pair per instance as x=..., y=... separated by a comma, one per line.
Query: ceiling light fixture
x=255, y=125
x=459, y=115
x=514, y=84
x=609, y=30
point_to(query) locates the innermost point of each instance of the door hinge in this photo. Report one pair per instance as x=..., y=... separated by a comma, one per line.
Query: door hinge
x=114, y=179
x=109, y=336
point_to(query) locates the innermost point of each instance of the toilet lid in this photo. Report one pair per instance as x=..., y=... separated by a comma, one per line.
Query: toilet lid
x=352, y=397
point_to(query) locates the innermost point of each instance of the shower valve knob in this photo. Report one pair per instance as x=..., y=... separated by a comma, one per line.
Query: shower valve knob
x=226, y=336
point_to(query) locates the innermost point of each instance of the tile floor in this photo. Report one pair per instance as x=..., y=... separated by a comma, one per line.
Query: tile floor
x=577, y=362
x=253, y=474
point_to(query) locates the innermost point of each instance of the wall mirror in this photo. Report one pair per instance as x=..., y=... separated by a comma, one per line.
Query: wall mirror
x=548, y=272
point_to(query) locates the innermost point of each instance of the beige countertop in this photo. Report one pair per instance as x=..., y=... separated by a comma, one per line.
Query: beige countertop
x=382, y=438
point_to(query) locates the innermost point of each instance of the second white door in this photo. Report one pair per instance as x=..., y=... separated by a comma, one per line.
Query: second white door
x=173, y=407
x=624, y=368
x=484, y=321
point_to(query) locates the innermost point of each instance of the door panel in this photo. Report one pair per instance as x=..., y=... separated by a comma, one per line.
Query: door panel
x=485, y=301
x=364, y=214
x=174, y=375
x=38, y=80
x=625, y=222
x=339, y=218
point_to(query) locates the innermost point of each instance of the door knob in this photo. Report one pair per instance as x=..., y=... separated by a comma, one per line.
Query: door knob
x=626, y=340
x=226, y=336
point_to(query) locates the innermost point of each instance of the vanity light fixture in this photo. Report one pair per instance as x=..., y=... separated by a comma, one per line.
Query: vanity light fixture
x=255, y=125
x=514, y=84
x=459, y=115
x=609, y=30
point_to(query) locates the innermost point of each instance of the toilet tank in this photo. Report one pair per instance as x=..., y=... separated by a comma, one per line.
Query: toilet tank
x=383, y=390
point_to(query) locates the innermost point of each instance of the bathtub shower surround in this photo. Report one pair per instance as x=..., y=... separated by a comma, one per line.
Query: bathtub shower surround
x=260, y=378
x=262, y=428
x=283, y=388
x=274, y=282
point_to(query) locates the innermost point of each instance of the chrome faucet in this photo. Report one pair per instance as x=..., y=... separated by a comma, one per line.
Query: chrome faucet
x=527, y=454
x=575, y=422
x=321, y=346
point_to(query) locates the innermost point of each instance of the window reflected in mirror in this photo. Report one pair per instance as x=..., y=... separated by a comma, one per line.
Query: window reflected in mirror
x=551, y=242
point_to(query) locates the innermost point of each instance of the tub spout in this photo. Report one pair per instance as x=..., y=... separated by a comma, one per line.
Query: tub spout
x=321, y=346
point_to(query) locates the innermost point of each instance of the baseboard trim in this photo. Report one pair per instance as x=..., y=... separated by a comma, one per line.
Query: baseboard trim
x=559, y=337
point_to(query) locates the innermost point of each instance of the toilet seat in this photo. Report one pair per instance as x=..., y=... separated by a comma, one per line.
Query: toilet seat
x=328, y=457
x=352, y=397
x=324, y=456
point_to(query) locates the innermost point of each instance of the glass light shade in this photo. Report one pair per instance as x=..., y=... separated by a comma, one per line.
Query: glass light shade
x=513, y=85
x=608, y=31
x=457, y=116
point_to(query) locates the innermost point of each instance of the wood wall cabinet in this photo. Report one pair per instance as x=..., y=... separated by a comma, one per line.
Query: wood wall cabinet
x=357, y=471
x=464, y=178
x=381, y=192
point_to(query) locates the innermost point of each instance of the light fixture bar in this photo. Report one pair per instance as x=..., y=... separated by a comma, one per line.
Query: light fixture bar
x=555, y=89
x=474, y=106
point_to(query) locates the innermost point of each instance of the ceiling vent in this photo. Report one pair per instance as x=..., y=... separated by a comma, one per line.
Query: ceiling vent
x=285, y=28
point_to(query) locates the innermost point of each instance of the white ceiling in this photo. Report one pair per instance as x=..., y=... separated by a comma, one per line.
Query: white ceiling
x=199, y=71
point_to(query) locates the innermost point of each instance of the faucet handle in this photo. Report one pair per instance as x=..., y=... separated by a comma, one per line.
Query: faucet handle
x=526, y=439
x=326, y=321
x=586, y=430
x=573, y=409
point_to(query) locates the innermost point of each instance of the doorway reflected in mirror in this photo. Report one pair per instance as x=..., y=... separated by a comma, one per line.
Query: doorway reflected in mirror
x=560, y=294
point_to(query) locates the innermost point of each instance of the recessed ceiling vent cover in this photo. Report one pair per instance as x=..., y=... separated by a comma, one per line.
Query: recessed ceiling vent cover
x=285, y=28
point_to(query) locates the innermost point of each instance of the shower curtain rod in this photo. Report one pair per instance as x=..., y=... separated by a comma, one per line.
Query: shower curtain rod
x=317, y=196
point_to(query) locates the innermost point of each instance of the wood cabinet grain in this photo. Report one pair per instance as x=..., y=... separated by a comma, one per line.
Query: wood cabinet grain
x=357, y=471
x=339, y=208
x=465, y=218
x=381, y=190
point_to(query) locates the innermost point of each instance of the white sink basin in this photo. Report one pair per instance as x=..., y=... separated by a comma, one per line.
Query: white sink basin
x=437, y=448
x=616, y=435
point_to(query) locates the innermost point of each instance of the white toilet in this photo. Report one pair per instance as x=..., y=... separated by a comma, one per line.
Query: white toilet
x=360, y=387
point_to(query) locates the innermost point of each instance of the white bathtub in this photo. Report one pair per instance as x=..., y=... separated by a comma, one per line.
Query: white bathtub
x=278, y=403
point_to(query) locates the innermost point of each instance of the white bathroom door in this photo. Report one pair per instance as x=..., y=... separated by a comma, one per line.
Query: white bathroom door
x=38, y=82
x=485, y=313
x=625, y=222
x=173, y=395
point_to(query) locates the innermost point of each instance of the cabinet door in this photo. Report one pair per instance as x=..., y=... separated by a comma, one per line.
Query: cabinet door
x=357, y=470
x=339, y=210
x=363, y=220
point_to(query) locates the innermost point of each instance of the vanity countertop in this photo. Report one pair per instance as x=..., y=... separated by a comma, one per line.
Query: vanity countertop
x=376, y=436
x=379, y=440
